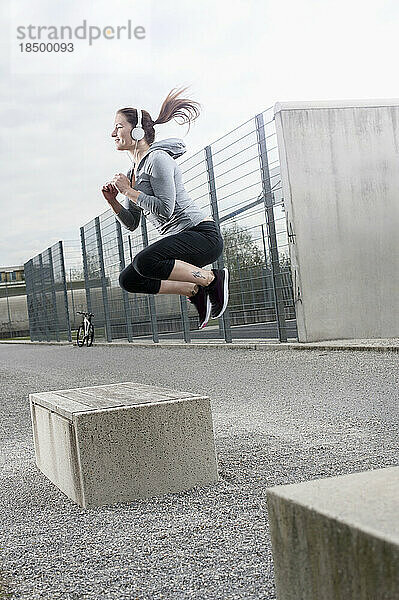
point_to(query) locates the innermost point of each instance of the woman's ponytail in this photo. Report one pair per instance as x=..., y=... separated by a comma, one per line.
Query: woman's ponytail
x=178, y=108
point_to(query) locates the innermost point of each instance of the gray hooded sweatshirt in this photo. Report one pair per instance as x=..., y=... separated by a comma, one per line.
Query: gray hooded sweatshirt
x=163, y=199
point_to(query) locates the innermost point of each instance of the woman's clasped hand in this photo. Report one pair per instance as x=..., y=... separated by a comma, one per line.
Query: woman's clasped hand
x=109, y=191
x=121, y=182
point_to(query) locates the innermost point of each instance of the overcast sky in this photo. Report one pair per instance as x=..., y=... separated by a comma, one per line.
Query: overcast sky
x=238, y=58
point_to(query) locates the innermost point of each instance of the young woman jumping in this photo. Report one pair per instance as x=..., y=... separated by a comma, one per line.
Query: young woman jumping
x=153, y=187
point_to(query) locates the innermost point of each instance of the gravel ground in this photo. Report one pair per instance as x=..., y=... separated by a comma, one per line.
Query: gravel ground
x=279, y=417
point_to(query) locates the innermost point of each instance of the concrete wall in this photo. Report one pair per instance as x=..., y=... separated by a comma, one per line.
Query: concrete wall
x=340, y=177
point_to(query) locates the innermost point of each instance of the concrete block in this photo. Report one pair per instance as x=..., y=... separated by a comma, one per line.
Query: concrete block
x=115, y=443
x=337, y=538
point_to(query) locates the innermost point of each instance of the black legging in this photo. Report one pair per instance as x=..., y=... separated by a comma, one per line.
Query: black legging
x=200, y=245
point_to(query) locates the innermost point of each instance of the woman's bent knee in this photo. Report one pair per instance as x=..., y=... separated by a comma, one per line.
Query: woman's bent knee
x=123, y=280
x=136, y=264
x=131, y=281
x=144, y=264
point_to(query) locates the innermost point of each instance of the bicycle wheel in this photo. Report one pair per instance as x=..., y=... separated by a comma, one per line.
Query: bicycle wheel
x=90, y=336
x=80, y=336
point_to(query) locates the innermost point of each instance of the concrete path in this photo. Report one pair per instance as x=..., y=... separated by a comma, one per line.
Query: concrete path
x=376, y=345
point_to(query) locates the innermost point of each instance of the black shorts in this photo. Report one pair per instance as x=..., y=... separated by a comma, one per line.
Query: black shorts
x=200, y=245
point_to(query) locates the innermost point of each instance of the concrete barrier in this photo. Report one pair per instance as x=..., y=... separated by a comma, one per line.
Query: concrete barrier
x=115, y=443
x=337, y=538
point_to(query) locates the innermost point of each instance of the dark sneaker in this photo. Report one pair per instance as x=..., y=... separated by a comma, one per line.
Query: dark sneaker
x=218, y=292
x=203, y=305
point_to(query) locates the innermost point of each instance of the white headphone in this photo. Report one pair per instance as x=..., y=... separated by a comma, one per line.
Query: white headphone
x=138, y=132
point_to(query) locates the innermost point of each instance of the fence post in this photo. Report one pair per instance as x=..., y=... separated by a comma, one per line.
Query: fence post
x=185, y=319
x=225, y=323
x=72, y=300
x=124, y=292
x=241, y=291
x=54, y=296
x=103, y=280
x=85, y=269
x=151, y=300
x=266, y=287
x=271, y=228
x=44, y=303
x=28, y=271
x=34, y=308
x=64, y=285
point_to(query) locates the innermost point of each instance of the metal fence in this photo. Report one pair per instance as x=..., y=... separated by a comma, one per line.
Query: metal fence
x=237, y=178
x=47, y=295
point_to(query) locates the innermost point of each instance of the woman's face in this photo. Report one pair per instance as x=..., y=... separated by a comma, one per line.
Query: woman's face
x=121, y=133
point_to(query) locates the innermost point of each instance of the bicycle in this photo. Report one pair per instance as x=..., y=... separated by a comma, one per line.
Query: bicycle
x=86, y=330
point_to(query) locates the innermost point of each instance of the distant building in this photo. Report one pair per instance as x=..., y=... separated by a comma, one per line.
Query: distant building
x=12, y=274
